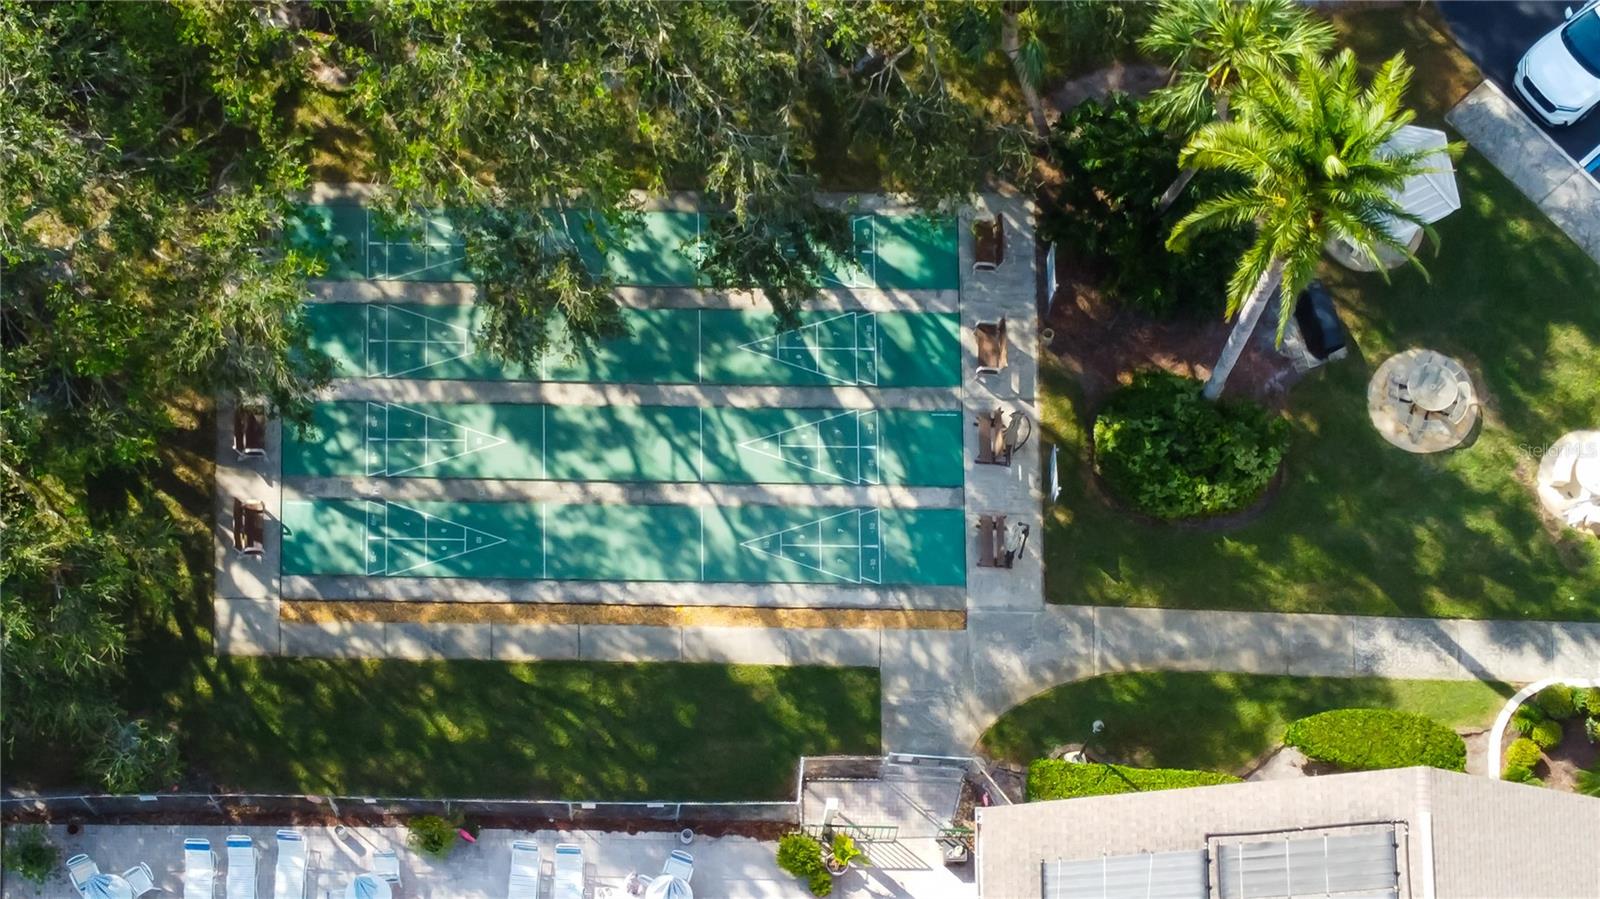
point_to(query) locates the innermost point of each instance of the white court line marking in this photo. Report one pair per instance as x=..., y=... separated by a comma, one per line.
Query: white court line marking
x=702, y=544
x=544, y=543
x=544, y=457
x=818, y=546
x=702, y=444
x=810, y=429
x=700, y=345
x=795, y=338
x=427, y=440
x=460, y=343
x=487, y=540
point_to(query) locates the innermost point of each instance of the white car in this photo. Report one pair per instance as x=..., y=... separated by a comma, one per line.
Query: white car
x=1560, y=75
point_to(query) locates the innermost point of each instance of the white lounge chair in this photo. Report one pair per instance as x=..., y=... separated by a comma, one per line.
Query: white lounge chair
x=679, y=864
x=386, y=864
x=139, y=879
x=199, y=869
x=568, y=872
x=80, y=868
x=241, y=867
x=525, y=873
x=289, y=875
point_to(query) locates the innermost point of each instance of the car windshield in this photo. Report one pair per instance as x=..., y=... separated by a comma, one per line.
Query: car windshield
x=1582, y=37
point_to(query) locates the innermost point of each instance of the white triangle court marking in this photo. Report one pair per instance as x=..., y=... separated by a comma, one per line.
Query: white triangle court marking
x=799, y=338
x=486, y=541
x=469, y=445
x=753, y=445
x=820, y=525
x=456, y=340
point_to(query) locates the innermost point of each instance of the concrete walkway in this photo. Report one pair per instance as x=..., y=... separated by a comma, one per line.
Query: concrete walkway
x=1498, y=129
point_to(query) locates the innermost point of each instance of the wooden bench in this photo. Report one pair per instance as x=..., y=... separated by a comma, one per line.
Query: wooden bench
x=991, y=344
x=988, y=244
x=249, y=432
x=249, y=526
x=991, y=542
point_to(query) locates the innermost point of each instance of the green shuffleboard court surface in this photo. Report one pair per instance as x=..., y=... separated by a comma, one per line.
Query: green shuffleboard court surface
x=663, y=346
x=629, y=443
x=905, y=252
x=540, y=541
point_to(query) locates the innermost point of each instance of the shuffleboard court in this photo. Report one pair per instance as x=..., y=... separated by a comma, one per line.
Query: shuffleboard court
x=629, y=443
x=663, y=346
x=904, y=252
x=551, y=541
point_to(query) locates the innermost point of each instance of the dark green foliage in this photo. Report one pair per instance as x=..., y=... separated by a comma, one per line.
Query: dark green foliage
x=1170, y=453
x=1369, y=739
x=801, y=856
x=30, y=854
x=1115, y=163
x=1559, y=701
x=1526, y=716
x=1546, y=734
x=133, y=758
x=1059, y=779
x=1588, y=782
x=1523, y=753
x=432, y=835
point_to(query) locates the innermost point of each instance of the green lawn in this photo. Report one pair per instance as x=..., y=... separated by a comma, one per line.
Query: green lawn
x=1360, y=527
x=1215, y=722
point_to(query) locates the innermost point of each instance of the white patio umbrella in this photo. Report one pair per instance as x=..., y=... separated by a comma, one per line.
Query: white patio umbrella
x=668, y=886
x=1431, y=195
x=368, y=886
x=107, y=886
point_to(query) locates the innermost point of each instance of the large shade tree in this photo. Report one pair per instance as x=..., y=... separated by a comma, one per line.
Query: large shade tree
x=1314, y=151
x=1213, y=47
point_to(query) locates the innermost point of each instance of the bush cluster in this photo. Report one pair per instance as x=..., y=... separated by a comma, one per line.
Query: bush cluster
x=1523, y=753
x=1060, y=779
x=1546, y=734
x=801, y=856
x=1115, y=164
x=1169, y=452
x=1369, y=739
x=1559, y=701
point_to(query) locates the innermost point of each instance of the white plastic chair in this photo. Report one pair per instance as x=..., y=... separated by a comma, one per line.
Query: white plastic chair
x=679, y=864
x=199, y=869
x=525, y=872
x=386, y=864
x=80, y=868
x=289, y=874
x=241, y=867
x=568, y=872
x=139, y=879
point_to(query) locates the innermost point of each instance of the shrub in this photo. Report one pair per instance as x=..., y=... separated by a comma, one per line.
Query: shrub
x=1061, y=779
x=1520, y=774
x=1591, y=729
x=1546, y=734
x=1591, y=701
x=1115, y=164
x=801, y=856
x=432, y=835
x=1588, y=782
x=1369, y=739
x=845, y=849
x=132, y=757
x=1523, y=753
x=1557, y=701
x=1171, y=453
x=1526, y=716
x=31, y=855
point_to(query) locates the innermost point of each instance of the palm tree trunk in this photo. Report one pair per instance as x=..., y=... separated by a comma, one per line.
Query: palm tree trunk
x=1011, y=45
x=1244, y=327
x=1184, y=177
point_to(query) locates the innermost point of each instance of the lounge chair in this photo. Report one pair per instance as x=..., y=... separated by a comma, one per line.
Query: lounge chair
x=241, y=867
x=249, y=432
x=568, y=872
x=386, y=864
x=80, y=868
x=679, y=864
x=199, y=869
x=991, y=345
x=525, y=874
x=139, y=879
x=249, y=526
x=289, y=876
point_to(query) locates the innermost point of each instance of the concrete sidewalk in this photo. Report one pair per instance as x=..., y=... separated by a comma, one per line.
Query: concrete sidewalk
x=1495, y=127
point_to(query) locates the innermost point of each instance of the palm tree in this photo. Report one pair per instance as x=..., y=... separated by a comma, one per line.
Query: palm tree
x=1216, y=45
x=1312, y=150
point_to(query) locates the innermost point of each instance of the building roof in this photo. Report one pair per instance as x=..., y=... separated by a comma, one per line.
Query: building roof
x=1454, y=835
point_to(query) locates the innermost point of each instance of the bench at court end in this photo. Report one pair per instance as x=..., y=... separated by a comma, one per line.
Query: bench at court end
x=249, y=432
x=249, y=526
x=991, y=342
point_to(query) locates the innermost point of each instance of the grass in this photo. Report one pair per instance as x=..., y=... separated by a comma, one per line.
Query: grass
x=1360, y=527
x=579, y=730
x=1214, y=722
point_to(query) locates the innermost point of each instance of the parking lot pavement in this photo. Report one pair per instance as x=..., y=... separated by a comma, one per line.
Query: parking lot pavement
x=1496, y=34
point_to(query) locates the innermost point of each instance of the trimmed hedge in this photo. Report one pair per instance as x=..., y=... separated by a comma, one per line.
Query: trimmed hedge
x=1171, y=453
x=1370, y=739
x=1546, y=734
x=1559, y=701
x=1060, y=779
x=1523, y=753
